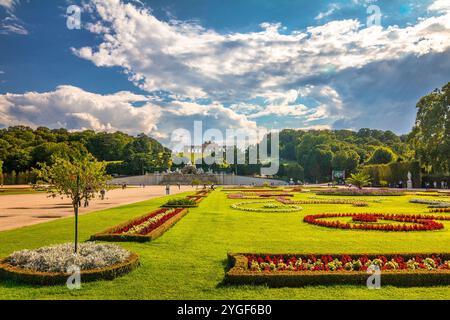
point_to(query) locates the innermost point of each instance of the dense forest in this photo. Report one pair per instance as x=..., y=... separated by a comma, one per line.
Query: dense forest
x=305, y=155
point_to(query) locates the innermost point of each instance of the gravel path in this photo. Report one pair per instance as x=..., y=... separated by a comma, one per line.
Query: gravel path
x=28, y=209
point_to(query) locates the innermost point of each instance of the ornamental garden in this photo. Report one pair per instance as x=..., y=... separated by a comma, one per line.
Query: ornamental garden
x=238, y=243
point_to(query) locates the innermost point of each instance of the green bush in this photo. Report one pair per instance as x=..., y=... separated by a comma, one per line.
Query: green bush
x=393, y=173
x=180, y=203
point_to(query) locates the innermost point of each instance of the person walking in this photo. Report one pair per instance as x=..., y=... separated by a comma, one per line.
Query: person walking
x=102, y=194
x=167, y=189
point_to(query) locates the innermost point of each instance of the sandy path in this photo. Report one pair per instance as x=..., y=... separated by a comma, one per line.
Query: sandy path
x=28, y=209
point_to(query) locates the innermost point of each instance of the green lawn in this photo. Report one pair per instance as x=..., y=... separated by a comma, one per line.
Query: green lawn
x=188, y=262
x=5, y=191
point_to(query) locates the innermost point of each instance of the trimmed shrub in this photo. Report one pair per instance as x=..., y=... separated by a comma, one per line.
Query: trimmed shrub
x=393, y=173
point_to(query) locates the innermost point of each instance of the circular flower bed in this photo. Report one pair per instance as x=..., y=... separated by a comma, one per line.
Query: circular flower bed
x=50, y=265
x=407, y=222
x=266, y=207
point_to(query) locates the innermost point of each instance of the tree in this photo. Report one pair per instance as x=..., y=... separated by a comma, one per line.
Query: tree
x=78, y=179
x=346, y=160
x=382, y=155
x=359, y=179
x=431, y=133
x=294, y=171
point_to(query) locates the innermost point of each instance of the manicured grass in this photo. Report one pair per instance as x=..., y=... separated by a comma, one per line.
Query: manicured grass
x=5, y=191
x=189, y=261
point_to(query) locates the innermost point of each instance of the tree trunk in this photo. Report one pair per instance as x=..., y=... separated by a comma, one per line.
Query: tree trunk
x=76, y=227
x=76, y=206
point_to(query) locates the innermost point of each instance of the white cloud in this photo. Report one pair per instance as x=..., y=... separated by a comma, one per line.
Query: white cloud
x=11, y=24
x=8, y=4
x=75, y=109
x=191, y=61
x=440, y=5
x=332, y=8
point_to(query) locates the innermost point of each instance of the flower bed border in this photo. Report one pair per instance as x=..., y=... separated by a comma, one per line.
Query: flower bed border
x=109, y=235
x=293, y=207
x=239, y=274
x=27, y=276
x=360, y=192
x=421, y=222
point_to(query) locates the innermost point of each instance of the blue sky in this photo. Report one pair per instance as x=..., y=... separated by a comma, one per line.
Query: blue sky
x=155, y=66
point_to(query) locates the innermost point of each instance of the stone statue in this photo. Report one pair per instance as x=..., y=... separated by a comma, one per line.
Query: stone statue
x=409, y=182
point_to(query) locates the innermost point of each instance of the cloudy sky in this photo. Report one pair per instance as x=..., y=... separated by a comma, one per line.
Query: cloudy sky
x=158, y=65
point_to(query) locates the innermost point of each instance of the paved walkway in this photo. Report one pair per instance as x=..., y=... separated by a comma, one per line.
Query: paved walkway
x=28, y=209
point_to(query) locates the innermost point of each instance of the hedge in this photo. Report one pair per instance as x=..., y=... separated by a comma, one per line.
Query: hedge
x=239, y=274
x=394, y=172
x=26, y=276
x=109, y=235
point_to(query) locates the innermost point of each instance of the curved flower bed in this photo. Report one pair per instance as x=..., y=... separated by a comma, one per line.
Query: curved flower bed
x=360, y=192
x=440, y=210
x=257, y=195
x=145, y=228
x=294, y=270
x=266, y=206
x=408, y=222
x=431, y=203
x=365, y=218
x=49, y=265
x=322, y=201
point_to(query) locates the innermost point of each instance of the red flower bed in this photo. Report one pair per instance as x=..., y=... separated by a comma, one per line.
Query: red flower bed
x=146, y=228
x=150, y=228
x=441, y=210
x=273, y=195
x=126, y=228
x=367, y=218
x=416, y=222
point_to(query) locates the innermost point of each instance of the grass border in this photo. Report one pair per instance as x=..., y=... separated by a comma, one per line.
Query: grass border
x=109, y=235
x=239, y=274
x=27, y=276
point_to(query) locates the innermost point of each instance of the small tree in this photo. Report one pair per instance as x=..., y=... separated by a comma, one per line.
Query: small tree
x=359, y=179
x=79, y=180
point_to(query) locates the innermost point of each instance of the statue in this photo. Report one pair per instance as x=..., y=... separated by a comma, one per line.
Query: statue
x=409, y=182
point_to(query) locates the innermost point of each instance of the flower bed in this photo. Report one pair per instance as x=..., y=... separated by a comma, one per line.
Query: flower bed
x=359, y=192
x=365, y=218
x=294, y=270
x=440, y=210
x=145, y=228
x=182, y=203
x=266, y=206
x=49, y=265
x=249, y=195
x=431, y=203
x=414, y=222
x=321, y=201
